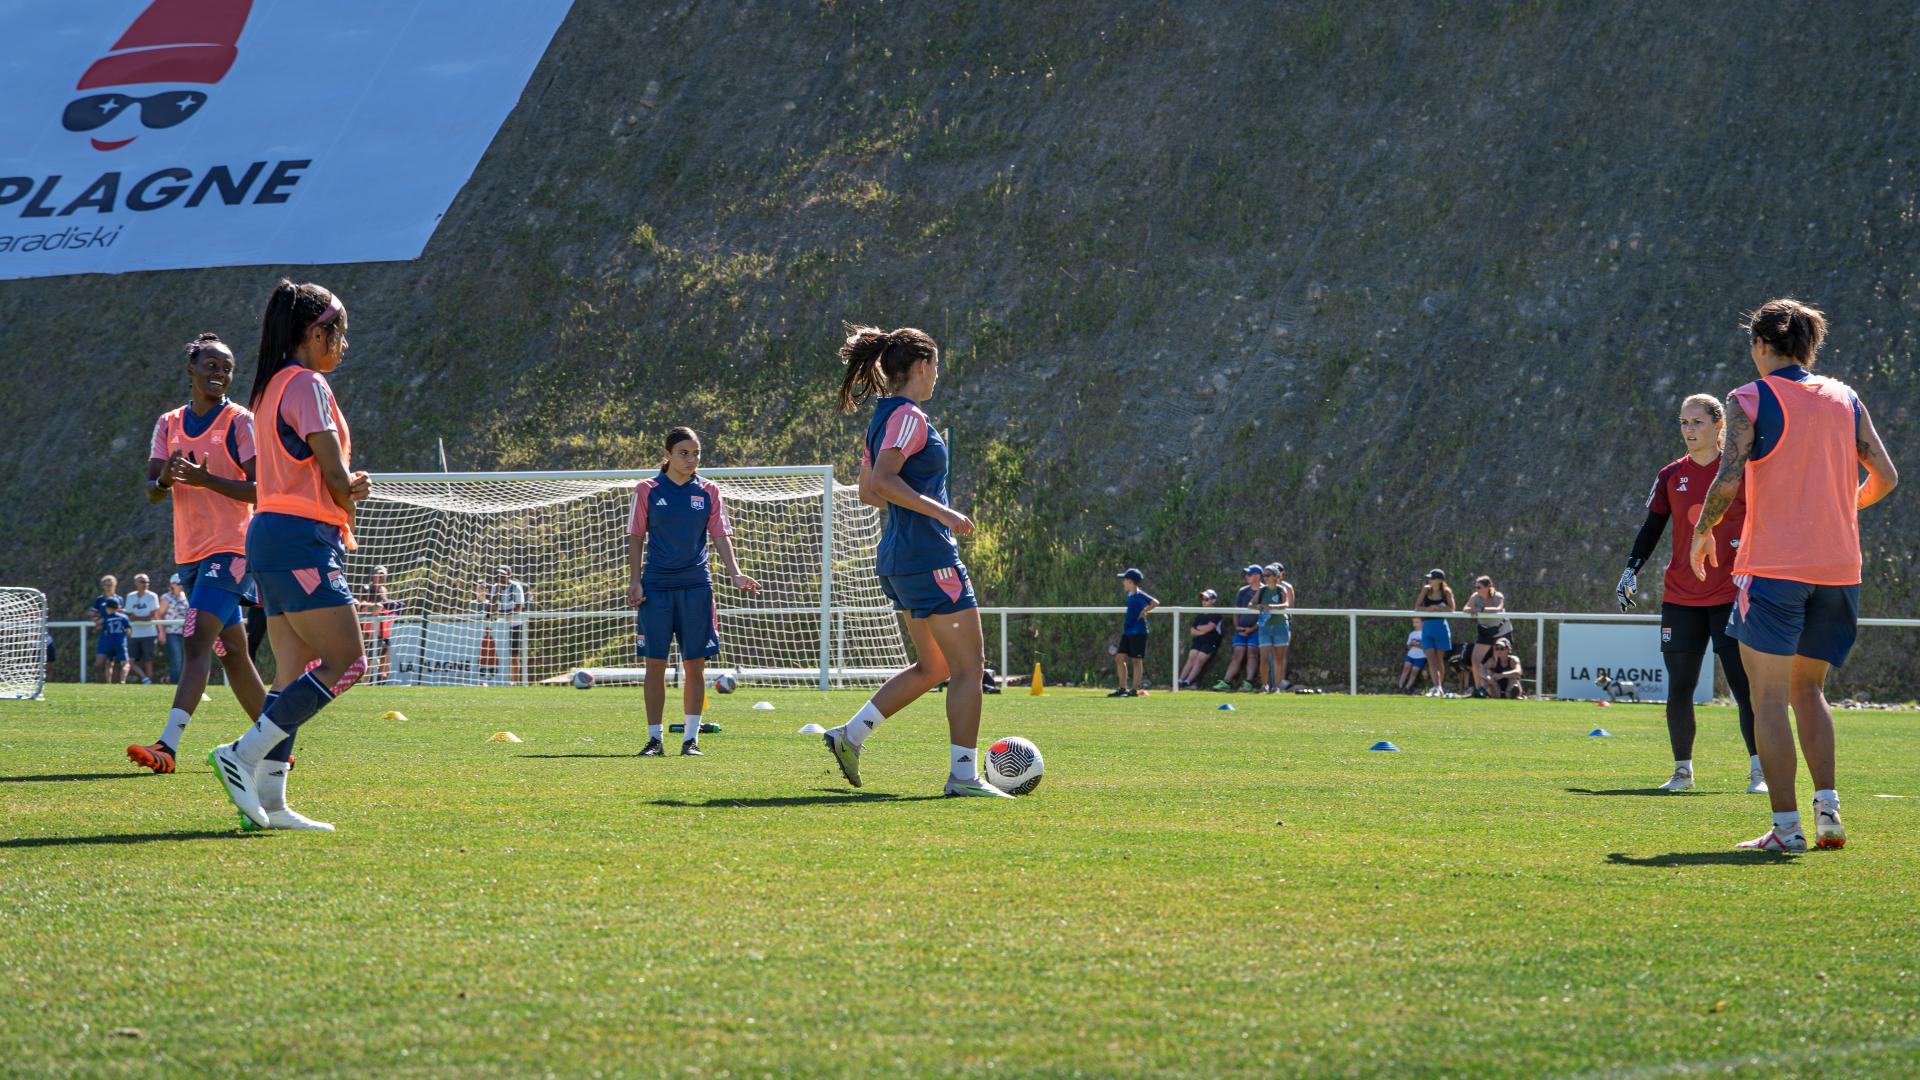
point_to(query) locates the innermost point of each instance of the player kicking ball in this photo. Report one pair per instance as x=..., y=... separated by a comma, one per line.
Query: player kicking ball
x=903, y=470
x=670, y=582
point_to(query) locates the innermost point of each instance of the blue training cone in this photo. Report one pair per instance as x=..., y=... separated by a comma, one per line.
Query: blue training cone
x=1599, y=733
x=1225, y=706
x=1384, y=745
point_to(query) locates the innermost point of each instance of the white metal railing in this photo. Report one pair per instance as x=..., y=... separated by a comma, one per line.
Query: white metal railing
x=1540, y=619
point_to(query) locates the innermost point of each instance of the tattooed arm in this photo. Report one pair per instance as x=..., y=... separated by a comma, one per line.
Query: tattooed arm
x=1881, y=475
x=1733, y=465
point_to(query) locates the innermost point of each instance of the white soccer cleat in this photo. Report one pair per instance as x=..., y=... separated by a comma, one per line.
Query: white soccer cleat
x=1773, y=841
x=292, y=819
x=238, y=782
x=1827, y=830
x=977, y=787
x=1681, y=780
x=1756, y=781
x=845, y=753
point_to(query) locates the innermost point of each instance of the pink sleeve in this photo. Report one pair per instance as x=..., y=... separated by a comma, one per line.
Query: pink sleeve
x=1748, y=398
x=637, y=519
x=718, y=523
x=160, y=437
x=243, y=436
x=307, y=404
x=906, y=431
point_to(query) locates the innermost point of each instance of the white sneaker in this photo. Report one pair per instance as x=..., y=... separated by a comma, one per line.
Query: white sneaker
x=1756, y=781
x=238, y=782
x=1681, y=780
x=286, y=818
x=1773, y=841
x=1827, y=830
x=976, y=786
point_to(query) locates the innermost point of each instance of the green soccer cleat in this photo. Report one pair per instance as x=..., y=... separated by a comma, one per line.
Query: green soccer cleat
x=974, y=787
x=844, y=752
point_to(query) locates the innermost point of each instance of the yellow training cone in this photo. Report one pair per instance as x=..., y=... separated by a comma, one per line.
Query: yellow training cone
x=1039, y=688
x=392, y=715
x=503, y=736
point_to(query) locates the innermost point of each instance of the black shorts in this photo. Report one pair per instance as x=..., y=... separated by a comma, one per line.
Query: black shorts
x=1133, y=645
x=140, y=649
x=1487, y=635
x=1206, y=643
x=1687, y=629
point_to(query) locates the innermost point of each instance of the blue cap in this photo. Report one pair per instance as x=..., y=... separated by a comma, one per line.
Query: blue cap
x=1254, y=568
x=1132, y=575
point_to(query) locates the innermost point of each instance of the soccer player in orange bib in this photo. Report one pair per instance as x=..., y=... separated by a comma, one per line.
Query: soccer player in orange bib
x=1795, y=444
x=297, y=545
x=202, y=456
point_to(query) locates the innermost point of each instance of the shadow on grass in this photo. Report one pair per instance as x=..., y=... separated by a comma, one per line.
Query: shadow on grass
x=1704, y=858
x=1641, y=791
x=618, y=754
x=56, y=778
x=124, y=838
x=826, y=797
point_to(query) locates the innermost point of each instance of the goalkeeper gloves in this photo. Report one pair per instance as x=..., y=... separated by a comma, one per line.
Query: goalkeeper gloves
x=1629, y=584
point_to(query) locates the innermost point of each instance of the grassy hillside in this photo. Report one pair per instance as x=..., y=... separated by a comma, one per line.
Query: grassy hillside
x=1364, y=290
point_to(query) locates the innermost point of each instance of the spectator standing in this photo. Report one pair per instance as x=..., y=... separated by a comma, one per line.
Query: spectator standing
x=1276, y=627
x=1203, y=640
x=109, y=592
x=1488, y=605
x=1133, y=633
x=1246, y=633
x=376, y=623
x=174, y=606
x=506, y=600
x=143, y=637
x=1436, y=636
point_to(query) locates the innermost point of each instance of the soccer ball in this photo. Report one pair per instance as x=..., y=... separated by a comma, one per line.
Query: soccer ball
x=725, y=684
x=583, y=680
x=1014, y=766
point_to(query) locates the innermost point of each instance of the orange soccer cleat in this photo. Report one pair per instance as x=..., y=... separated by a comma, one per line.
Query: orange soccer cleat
x=155, y=757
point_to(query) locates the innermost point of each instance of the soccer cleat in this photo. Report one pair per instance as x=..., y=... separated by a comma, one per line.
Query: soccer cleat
x=292, y=819
x=1827, y=830
x=1122, y=692
x=653, y=748
x=844, y=752
x=237, y=781
x=1756, y=781
x=1222, y=686
x=1681, y=780
x=975, y=787
x=1773, y=841
x=156, y=757
x=690, y=749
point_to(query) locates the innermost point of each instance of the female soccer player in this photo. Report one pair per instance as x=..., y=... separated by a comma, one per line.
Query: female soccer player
x=904, y=469
x=1795, y=443
x=296, y=545
x=203, y=457
x=1693, y=613
x=1436, y=595
x=671, y=582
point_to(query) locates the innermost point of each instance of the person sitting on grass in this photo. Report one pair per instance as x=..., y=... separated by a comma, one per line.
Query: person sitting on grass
x=1503, y=671
x=1133, y=633
x=1204, y=641
x=1414, y=664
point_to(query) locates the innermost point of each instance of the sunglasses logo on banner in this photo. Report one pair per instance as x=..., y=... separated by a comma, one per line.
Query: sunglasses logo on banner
x=176, y=44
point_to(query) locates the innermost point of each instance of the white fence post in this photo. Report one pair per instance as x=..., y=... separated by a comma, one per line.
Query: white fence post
x=826, y=576
x=1353, y=654
x=1003, y=649
x=1540, y=657
x=83, y=652
x=1173, y=638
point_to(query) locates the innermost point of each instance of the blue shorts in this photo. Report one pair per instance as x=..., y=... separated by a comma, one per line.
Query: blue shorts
x=218, y=584
x=931, y=592
x=112, y=648
x=1419, y=662
x=1792, y=618
x=1277, y=632
x=1248, y=638
x=298, y=563
x=1435, y=634
x=687, y=614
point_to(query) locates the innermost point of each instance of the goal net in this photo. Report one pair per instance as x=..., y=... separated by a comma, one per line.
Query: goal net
x=453, y=617
x=23, y=643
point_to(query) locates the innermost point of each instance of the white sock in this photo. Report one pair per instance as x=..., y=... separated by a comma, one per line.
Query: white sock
x=653, y=731
x=1829, y=796
x=176, y=727
x=270, y=783
x=251, y=748
x=1786, y=822
x=692, y=731
x=1753, y=762
x=960, y=762
x=1683, y=763
x=862, y=724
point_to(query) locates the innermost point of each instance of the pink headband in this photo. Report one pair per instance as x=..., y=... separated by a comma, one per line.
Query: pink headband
x=333, y=309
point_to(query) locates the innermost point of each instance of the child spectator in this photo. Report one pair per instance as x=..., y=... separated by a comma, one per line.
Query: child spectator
x=1246, y=634
x=1504, y=671
x=1204, y=641
x=1414, y=664
x=109, y=586
x=113, y=641
x=1133, y=633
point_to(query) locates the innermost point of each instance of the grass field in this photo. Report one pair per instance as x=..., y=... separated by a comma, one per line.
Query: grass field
x=1190, y=893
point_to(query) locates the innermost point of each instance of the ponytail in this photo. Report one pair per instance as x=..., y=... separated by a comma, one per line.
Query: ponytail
x=1790, y=328
x=291, y=311
x=675, y=438
x=878, y=360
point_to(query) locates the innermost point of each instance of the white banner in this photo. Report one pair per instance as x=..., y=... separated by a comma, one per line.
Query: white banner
x=1629, y=651
x=162, y=134
x=458, y=652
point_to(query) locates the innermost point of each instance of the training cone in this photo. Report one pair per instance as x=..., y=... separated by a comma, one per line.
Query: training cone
x=1604, y=704
x=763, y=706
x=1384, y=745
x=1225, y=706
x=503, y=736
x=1039, y=687
x=392, y=714
x=1599, y=733
x=812, y=729
x=205, y=700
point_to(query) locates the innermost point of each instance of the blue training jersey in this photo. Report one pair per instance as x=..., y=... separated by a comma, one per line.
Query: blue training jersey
x=912, y=542
x=114, y=627
x=1136, y=604
x=677, y=519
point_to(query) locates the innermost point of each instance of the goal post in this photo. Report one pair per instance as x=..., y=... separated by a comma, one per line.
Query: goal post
x=23, y=644
x=451, y=619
